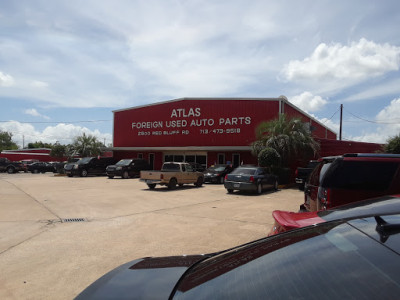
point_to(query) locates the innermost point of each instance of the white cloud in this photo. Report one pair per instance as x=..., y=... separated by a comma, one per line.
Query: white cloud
x=388, y=87
x=6, y=80
x=308, y=102
x=35, y=113
x=346, y=64
x=39, y=84
x=390, y=113
x=389, y=120
x=63, y=133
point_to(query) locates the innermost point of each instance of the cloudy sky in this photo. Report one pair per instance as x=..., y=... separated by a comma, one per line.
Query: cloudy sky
x=65, y=65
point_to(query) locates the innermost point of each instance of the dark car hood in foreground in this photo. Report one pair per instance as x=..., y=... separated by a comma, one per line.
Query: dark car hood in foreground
x=147, y=278
x=329, y=261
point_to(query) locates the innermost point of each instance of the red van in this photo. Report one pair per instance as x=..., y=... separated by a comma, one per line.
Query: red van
x=340, y=180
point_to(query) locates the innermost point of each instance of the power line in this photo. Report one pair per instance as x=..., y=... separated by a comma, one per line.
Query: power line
x=374, y=122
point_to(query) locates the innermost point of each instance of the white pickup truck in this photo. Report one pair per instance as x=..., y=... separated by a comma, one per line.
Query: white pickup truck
x=171, y=175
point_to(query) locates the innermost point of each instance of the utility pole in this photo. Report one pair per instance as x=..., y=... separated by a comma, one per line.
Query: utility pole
x=341, y=121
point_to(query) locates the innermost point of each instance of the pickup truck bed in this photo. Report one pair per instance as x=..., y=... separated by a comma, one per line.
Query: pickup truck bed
x=171, y=175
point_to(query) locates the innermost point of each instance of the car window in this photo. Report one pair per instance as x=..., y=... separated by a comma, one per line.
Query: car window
x=365, y=175
x=189, y=168
x=319, y=172
x=171, y=167
x=244, y=171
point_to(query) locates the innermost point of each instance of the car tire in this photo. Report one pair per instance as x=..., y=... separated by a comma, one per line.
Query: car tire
x=10, y=170
x=276, y=185
x=125, y=175
x=230, y=191
x=151, y=186
x=111, y=176
x=259, y=188
x=84, y=173
x=199, y=182
x=172, y=184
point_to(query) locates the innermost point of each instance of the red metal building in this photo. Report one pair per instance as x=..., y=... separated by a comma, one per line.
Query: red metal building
x=201, y=130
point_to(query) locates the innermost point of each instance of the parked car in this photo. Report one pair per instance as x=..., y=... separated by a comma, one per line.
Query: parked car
x=302, y=174
x=286, y=220
x=9, y=166
x=27, y=162
x=127, y=168
x=351, y=177
x=357, y=259
x=197, y=167
x=89, y=166
x=250, y=179
x=41, y=167
x=217, y=173
x=171, y=175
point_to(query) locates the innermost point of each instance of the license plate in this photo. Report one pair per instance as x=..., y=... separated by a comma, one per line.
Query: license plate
x=151, y=181
x=236, y=185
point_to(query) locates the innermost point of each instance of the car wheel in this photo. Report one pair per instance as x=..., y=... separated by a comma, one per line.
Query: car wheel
x=10, y=170
x=84, y=173
x=221, y=180
x=110, y=176
x=230, y=191
x=151, y=186
x=259, y=189
x=125, y=175
x=172, y=184
x=199, y=182
x=276, y=185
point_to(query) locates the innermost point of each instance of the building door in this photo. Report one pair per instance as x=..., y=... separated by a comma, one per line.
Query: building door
x=236, y=160
x=151, y=160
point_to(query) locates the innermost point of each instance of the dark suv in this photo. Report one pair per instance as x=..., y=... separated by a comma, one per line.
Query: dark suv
x=89, y=165
x=126, y=168
x=339, y=180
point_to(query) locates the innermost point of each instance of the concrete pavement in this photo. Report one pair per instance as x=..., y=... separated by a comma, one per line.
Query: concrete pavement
x=42, y=257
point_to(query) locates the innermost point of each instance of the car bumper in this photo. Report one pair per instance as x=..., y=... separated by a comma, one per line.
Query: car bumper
x=241, y=186
x=114, y=173
x=211, y=179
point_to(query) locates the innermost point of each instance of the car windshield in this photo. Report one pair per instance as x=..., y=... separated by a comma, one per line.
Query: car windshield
x=350, y=263
x=244, y=171
x=124, y=162
x=84, y=160
x=216, y=169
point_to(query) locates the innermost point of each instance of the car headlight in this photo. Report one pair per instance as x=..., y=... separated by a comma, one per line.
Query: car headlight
x=76, y=167
x=119, y=168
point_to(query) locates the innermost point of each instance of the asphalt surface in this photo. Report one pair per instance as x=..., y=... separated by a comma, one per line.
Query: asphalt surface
x=59, y=234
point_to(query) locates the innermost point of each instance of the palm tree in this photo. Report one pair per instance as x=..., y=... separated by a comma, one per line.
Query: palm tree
x=290, y=138
x=87, y=145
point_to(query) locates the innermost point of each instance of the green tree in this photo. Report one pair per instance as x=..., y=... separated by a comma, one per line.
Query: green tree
x=86, y=145
x=393, y=145
x=39, y=144
x=6, y=142
x=290, y=138
x=58, y=150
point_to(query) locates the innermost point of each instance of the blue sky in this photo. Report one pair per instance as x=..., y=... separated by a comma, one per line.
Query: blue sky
x=65, y=65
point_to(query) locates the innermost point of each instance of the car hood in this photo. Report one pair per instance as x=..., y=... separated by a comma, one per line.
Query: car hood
x=147, y=278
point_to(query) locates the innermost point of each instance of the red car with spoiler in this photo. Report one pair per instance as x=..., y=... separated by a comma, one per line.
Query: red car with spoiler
x=285, y=220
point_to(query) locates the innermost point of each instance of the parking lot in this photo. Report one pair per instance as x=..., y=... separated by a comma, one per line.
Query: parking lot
x=59, y=234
